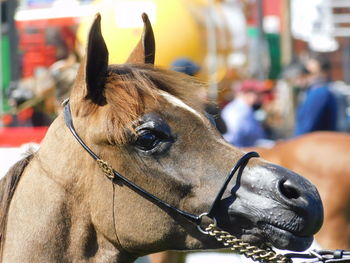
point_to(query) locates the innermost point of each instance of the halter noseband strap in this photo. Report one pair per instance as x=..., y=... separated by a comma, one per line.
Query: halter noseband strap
x=114, y=175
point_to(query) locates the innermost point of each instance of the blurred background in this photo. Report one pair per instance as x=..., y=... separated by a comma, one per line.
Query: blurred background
x=275, y=69
x=221, y=42
x=229, y=40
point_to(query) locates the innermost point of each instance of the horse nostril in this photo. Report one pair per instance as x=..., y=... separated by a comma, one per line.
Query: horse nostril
x=287, y=189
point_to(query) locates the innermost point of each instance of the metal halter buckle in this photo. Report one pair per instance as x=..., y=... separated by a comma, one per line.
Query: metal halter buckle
x=199, y=226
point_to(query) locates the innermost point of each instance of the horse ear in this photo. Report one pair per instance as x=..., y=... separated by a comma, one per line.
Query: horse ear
x=144, y=52
x=96, y=62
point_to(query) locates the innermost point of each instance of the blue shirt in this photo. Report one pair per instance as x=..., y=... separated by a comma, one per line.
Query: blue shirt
x=243, y=130
x=318, y=111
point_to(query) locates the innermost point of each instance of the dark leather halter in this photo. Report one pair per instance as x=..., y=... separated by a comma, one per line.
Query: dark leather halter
x=113, y=175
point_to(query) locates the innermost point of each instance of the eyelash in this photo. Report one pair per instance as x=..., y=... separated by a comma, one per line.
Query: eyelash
x=153, y=144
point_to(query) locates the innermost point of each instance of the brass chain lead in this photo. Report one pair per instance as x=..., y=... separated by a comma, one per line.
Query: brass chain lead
x=252, y=252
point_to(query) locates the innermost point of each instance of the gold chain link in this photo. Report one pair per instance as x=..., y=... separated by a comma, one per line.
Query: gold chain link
x=253, y=252
x=106, y=168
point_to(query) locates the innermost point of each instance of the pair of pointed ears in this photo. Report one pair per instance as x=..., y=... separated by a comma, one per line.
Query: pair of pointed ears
x=96, y=61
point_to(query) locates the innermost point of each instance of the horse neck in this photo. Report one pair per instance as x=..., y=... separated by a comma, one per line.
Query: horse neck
x=62, y=158
x=62, y=174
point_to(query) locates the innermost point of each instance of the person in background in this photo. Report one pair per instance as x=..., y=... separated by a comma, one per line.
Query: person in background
x=186, y=66
x=317, y=111
x=243, y=129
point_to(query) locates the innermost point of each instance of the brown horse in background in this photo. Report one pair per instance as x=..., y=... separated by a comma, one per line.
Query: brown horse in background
x=61, y=205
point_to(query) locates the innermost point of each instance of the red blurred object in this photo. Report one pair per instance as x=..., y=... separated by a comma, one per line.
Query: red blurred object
x=44, y=23
x=7, y=119
x=252, y=86
x=16, y=136
x=37, y=53
x=25, y=114
x=69, y=37
x=33, y=42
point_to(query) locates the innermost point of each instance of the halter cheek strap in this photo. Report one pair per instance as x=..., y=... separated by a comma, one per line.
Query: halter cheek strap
x=113, y=175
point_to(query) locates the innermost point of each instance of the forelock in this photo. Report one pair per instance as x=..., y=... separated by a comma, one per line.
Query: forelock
x=130, y=90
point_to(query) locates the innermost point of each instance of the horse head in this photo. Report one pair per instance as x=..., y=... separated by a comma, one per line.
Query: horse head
x=149, y=125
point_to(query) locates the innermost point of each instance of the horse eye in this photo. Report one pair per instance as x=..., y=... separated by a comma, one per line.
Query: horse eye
x=146, y=140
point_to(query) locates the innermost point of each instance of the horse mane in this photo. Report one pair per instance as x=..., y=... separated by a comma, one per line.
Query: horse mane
x=129, y=86
x=8, y=186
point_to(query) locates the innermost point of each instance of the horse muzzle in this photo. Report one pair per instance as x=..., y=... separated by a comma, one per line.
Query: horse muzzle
x=277, y=206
